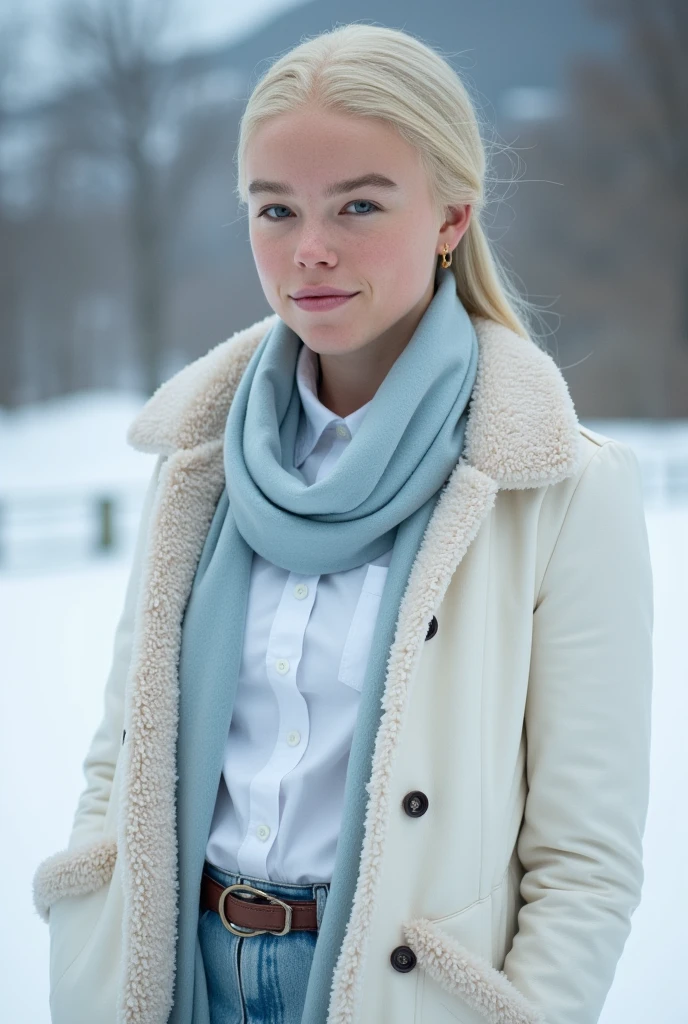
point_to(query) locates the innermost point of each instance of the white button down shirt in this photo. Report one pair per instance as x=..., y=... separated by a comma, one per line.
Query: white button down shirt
x=306, y=646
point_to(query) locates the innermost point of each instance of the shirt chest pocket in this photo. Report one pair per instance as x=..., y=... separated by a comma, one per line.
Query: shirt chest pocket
x=359, y=639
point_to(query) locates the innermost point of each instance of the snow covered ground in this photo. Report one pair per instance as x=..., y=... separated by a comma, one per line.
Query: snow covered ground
x=60, y=598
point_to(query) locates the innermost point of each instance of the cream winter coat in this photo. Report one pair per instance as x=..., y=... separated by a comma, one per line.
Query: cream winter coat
x=524, y=718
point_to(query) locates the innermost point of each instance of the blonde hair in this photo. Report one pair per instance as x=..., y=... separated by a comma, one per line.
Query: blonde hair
x=384, y=73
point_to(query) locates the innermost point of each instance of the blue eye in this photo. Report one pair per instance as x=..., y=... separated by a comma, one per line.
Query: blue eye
x=263, y=212
x=363, y=201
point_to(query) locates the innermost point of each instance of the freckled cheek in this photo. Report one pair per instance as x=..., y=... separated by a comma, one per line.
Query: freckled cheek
x=272, y=266
x=267, y=255
x=399, y=261
x=393, y=252
x=373, y=253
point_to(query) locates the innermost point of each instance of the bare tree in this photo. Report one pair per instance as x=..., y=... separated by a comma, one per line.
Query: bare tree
x=126, y=93
x=650, y=88
x=12, y=38
x=606, y=207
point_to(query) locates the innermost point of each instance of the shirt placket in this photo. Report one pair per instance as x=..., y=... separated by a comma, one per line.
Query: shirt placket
x=283, y=656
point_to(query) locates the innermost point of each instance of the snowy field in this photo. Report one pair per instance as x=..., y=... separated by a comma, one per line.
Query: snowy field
x=60, y=598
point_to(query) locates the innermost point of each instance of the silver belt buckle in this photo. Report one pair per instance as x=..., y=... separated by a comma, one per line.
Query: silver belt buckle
x=258, y=931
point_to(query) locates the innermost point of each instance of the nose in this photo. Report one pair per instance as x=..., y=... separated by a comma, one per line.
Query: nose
x=311, y=251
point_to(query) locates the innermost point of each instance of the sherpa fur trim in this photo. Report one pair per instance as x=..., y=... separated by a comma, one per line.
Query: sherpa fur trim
x=191, y=407
x=73, y=873
x=470, y=976
x=522, y=427
x=189, y=487
x=464, y=503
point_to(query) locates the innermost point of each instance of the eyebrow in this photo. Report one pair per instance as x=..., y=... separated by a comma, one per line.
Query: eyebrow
x=335, y=189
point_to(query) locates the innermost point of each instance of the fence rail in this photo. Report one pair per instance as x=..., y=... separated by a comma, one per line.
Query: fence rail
x=62, y=527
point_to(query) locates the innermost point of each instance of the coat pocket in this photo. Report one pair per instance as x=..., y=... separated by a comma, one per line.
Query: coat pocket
x=88, y=987
x=71, y=923
x=70, y=889
x=359, y=639
x=459, y=982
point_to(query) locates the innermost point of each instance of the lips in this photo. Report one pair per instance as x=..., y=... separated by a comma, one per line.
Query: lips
x=320, y=292
x=322, y=303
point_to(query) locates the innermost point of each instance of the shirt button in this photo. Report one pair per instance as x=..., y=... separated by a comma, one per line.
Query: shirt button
x=342, y=431
x=263, y=831
x=282, y=665
x=294, y=738
x=300, y=591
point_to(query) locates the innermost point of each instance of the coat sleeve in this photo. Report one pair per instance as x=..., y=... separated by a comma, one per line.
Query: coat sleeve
x=101, y=758
x=587, y=719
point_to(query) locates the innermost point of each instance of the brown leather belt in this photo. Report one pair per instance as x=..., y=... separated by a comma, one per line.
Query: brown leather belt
x=249, y=907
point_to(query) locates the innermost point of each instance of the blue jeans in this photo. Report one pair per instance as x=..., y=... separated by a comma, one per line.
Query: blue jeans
x=258, y=978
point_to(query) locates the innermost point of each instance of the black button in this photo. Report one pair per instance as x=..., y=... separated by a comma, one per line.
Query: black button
x=415, y=803
x=403, y=959
x=432, y=628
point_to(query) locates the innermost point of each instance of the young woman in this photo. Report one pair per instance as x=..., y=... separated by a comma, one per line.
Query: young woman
x=375, y=747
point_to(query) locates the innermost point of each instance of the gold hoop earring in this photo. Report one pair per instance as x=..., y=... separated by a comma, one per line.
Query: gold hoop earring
x=446, y=262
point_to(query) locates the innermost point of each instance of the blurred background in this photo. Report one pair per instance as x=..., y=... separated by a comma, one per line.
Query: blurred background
x=124, y=256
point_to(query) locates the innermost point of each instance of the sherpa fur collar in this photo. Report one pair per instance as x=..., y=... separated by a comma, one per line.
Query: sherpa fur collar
x=522, y=428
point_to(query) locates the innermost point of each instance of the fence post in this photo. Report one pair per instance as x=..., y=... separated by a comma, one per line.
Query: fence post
x=105, y=523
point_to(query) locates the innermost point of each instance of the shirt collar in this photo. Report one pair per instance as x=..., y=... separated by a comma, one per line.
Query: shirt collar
x=317, y=417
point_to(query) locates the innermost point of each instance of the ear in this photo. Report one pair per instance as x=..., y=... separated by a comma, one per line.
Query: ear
x=455, y=226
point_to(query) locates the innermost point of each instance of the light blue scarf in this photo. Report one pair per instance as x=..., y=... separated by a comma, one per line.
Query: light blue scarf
x=382, y=491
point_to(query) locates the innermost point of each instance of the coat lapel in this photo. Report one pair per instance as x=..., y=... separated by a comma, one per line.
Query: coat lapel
x=190, y=484
x=522, y=431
